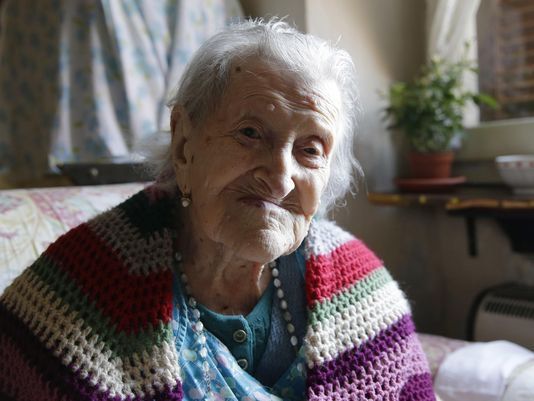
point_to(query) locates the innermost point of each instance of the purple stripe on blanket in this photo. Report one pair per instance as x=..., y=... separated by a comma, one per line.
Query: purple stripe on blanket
x=91, y=393
x=370, y=379
x=19, y=345
x=419, y=387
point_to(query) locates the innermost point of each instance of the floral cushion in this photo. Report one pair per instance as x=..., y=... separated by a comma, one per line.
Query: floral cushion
x=30, y=219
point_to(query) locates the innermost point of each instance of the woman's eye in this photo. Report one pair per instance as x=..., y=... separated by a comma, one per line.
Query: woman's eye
x=312, y=151
x=250, y=132
x=314, y=148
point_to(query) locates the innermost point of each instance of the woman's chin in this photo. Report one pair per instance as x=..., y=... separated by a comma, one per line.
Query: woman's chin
x=267, y=245
x=259, y=237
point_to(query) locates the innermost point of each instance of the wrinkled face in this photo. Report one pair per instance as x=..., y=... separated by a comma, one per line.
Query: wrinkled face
x=257, y=167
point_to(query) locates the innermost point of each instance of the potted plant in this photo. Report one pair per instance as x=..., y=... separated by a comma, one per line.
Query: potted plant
x=429, y=111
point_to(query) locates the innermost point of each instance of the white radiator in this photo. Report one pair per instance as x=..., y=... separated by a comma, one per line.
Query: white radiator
x=505, y=312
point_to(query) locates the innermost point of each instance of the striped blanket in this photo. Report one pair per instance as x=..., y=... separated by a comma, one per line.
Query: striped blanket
x=91, y=318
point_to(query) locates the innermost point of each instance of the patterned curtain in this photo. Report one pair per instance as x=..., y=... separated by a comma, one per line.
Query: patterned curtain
x=82, y=80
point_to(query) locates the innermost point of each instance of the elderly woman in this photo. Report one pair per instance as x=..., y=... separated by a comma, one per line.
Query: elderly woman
x=220, y=281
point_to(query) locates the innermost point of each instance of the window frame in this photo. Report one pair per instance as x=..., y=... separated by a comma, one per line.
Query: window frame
x=491, y=139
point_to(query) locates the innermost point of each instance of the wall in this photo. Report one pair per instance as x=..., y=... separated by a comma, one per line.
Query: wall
x=295, y=10
x=425, y=249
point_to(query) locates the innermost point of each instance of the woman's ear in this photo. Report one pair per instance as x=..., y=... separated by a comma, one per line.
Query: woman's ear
x=180, y=146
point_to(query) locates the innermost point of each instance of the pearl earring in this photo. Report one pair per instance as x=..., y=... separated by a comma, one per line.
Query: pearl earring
x=186, y=200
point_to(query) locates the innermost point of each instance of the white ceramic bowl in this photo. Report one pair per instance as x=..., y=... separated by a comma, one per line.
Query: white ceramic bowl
x=517, y=171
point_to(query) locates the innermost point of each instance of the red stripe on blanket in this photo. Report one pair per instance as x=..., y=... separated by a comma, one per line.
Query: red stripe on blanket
x=328, y=274
x=132, y=302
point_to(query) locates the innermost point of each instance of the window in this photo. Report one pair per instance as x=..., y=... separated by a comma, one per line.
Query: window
x=505, y=30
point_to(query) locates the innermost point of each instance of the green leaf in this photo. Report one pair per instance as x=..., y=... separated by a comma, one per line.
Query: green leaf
x=429, y=108
x=482, y=98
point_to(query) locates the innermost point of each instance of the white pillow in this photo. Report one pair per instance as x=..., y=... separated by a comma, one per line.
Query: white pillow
x=521, y=383
x=484, y=372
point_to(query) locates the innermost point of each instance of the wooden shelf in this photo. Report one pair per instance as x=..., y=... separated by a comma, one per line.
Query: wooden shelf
x=514, y=213
x=465, y=197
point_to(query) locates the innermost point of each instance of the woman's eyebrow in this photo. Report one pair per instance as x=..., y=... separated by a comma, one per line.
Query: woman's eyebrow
x=256, y=117
x=325, y=136
x=318, y=130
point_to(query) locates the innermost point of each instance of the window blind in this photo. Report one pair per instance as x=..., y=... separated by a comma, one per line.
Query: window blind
x=505, y=30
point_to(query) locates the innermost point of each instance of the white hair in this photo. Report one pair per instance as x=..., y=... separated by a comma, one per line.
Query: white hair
x=207, y=75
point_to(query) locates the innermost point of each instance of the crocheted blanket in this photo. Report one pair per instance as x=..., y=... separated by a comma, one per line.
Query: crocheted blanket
x=91, y=318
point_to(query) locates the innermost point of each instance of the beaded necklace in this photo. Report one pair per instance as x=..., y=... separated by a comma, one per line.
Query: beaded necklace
x=197, y=326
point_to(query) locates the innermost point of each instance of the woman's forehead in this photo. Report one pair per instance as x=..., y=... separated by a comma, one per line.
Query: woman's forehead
x=260, y=82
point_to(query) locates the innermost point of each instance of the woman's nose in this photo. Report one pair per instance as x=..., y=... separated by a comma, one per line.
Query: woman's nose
x=277, y=173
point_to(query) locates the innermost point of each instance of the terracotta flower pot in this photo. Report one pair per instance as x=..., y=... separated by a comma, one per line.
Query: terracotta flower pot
x=431, y=165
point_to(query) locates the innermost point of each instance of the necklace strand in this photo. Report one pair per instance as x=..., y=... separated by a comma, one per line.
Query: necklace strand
x=283, y=306
x=197, y=326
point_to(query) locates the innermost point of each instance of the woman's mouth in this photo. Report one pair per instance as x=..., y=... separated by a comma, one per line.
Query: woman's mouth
x=260, y=203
